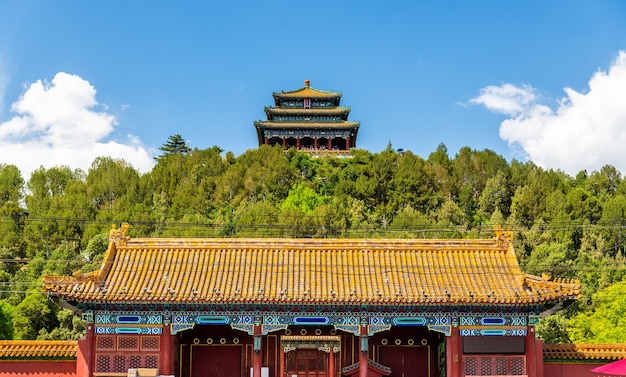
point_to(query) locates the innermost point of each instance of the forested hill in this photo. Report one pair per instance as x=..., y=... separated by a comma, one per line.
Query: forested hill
x=57, y=220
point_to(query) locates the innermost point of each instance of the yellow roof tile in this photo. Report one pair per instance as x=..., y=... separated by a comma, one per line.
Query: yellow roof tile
x=331, y=271
x=307, y=92
x=38, y=349
x=584, y=351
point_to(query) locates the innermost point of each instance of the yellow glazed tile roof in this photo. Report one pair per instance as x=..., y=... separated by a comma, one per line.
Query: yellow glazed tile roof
x=310, y=271
x=584, y=351
x=38, y=349
x=307, y=92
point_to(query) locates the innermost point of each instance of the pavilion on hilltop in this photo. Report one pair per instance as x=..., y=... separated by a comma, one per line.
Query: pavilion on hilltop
x=308, y=119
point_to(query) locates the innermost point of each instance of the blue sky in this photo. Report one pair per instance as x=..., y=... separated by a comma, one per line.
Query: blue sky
x=537, y=80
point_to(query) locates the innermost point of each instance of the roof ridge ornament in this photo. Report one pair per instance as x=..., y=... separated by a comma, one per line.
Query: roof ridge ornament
x=119, y=236
x=503, y=237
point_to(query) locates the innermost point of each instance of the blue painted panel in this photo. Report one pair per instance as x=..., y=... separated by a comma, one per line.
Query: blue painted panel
x=128, y=319
x=494, y=332
x=410, y=321
x=493, y=321
x=127, y=330
x=212, y=320
x=310, y=321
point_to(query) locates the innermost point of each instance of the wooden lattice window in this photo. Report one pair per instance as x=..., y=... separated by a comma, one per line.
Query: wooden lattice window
x=152, y=362
x=128, y=343
x=496, y=365
x=102, y=363
x=119, y=363
x=134, y=361
x=107, y=363
x=149, y=343
x=485, y=366
x=105, y=343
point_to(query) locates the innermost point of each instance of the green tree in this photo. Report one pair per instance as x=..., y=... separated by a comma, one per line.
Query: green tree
x=175, y=145
x=33, y=314
x=70, y=327
x=553, y=329
x=11, y=184
x=496, y=195
x=605, y=323
x=108, y=180
x=6, y=321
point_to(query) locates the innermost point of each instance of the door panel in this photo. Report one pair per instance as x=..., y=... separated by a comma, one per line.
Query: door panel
x=216, y=361
x=405, y=361
x=306, y=363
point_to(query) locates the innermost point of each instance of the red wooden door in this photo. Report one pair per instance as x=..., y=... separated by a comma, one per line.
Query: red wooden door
x=406, y=361
x=306, y=363
x=216, y=361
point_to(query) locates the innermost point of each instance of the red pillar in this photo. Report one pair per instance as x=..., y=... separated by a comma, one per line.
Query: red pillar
x=298, y=143
x=331, y=362
x=330, y=146
x=281, y=354
x=267, y=140
x=166, y=364
x=363, y=356
x=284, y=142
x=531, y=353
x=539, y=357
x=256, y=358
x=347, y=142
x=454, y=354
x=85, y=359
x=315, y=143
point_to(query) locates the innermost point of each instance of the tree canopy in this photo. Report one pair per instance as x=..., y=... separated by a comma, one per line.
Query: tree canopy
x=56, y=221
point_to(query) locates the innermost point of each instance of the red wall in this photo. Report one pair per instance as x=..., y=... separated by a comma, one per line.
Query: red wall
x=38, y=368
x=570, y=369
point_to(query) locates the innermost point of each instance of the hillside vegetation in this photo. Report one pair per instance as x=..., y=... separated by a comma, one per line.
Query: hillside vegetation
x=57, y=221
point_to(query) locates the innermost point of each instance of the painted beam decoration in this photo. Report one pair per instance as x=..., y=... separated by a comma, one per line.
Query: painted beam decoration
x=502, y=324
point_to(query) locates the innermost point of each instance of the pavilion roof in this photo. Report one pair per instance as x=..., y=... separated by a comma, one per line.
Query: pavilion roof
x=308, y=92
x=307, y=125
x=311, y=271
x=38, y=349
x=584, y=351
x=339, y=110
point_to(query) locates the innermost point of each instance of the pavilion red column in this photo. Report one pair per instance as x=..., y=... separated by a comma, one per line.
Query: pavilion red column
x=531, y=352
x=363, y=355
x=166, y=364
x=331, y=362
x=267, y=140
x=454, y=353
x=330, y=146
x=347, y=142
x=256, y=357
x=315, y=143
x=298, y=143
x=284, y=142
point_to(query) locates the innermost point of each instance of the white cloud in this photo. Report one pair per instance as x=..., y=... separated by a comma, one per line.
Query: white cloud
x=57, y=123
x=507, y=98
x=584, y=132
